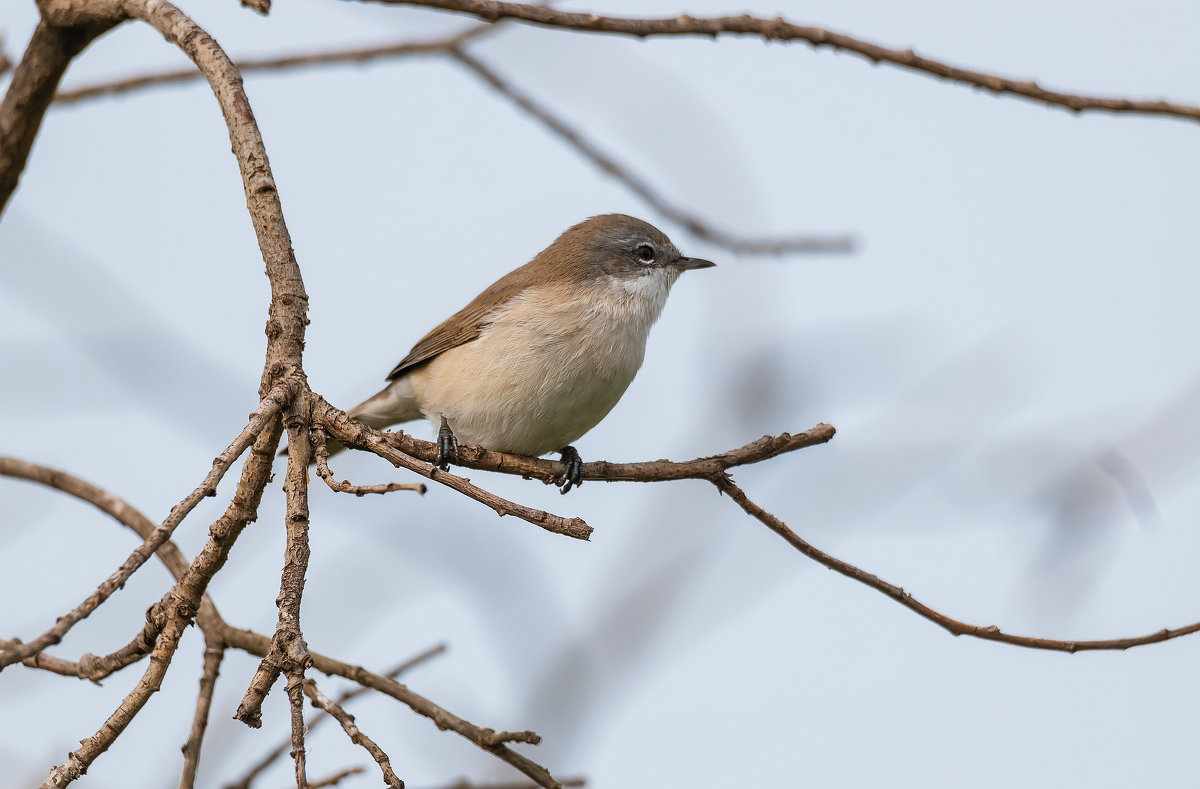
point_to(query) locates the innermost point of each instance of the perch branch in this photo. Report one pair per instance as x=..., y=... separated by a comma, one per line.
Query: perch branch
x=350, y=431
x=779, y=29
x=709, y=467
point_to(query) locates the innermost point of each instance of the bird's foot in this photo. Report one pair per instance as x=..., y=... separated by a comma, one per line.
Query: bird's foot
x=447, y=447
x=572, y=475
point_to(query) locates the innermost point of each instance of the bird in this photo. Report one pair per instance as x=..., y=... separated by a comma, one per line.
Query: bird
x=541, y=356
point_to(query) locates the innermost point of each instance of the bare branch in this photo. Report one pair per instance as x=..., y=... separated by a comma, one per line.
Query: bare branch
x=591, y=152
x=178, y=606
x=453, y=46
x=287, y=62
x=955, y=627
x=267, y=410
x=261, y=6
x=462, y=783
x=97, y=667
x=709, y=467
x=351, y=431
x=285, y=329
x=160, y=659
x=191, y=578
x=337, y=778
x=492, y=738
x=356, y=735
x=317, y=437
x=295, y=691
x=90, y=666
x=779, y=29
x=289, y=301
x=258, y=644
x=289, y=652
x=213, y=654
x=55, y=665
x=269, y=759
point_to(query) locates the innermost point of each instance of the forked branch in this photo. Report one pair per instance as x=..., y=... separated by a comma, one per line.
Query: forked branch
x=267, y=410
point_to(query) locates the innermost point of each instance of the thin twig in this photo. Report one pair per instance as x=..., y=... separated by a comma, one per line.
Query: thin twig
x=955, y=627
x=213, y=654
x=453, y=46
x=295, y=691
x=284, y=63
x=258, y=644
x=178, y=607
x=267, y=410
x=289, y=652
x=160, y=660
x=97, y=667
x=356, y=735
x=90, y=666
x=260, y=6
x=609, y=165
x=463, y=783
x=289, y=639
x=336, y=778
x=257, y=769
x=317, y=438
x=179, y=566
x=779, y=29
x=351, y=431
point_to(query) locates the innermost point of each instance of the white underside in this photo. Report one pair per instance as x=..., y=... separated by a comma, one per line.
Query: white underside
x=545, y=370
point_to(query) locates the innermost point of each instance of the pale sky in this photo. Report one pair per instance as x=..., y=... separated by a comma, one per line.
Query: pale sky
x=1009, y=358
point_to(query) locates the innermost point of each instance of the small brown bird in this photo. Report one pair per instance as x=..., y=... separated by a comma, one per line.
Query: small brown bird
x=541, y=356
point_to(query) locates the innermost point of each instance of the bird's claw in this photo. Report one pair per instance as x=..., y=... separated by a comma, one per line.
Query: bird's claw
x=447, y=447
x=572, y=475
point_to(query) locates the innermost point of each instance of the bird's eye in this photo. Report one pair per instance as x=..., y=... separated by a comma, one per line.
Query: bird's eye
x=645, y=252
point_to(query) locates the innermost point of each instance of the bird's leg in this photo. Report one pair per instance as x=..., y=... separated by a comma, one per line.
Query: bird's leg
x=572, y=475
x=447, y=446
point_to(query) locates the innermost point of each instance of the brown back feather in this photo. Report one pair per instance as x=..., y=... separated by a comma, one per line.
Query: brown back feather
x=466, y=324
x=571, y=257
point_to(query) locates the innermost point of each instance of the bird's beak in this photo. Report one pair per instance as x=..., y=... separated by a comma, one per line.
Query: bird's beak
x=683, y=264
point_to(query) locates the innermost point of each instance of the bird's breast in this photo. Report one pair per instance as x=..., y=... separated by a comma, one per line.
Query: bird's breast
x=546, y=368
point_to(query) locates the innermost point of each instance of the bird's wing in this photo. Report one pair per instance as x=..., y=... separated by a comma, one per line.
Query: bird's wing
x=466, y=324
